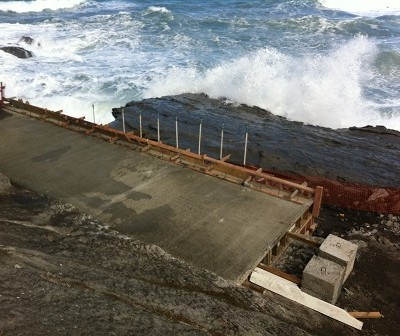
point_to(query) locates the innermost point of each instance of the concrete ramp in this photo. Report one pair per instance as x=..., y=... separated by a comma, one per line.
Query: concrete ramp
x=208, y=222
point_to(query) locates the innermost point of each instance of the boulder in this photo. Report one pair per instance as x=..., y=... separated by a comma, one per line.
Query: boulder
x=26, y=39
x=17, y=51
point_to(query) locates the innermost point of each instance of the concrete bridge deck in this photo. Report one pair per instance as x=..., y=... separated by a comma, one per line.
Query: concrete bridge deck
x=208, y=222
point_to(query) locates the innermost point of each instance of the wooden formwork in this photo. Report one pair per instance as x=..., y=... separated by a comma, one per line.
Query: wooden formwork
x=251, y=178
x=255, y=179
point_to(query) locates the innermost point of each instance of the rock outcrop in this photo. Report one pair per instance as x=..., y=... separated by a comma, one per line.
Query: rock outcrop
x=17, y=51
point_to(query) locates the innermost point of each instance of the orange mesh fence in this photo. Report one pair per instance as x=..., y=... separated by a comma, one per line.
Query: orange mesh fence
x=353, y=195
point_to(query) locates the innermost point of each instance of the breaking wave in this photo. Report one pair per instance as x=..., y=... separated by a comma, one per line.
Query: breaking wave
x=325, y=90
x=370, y=8
x=156, y=9
x=37, y=5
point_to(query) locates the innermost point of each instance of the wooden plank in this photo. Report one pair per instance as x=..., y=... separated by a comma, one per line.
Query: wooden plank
x=304, y=239
x=248, y=179
x=266, y=176
x=290, y=291
x=294, y=193
x=252, y=286
x=226, y=158
x=317, y=201
x=280, y=273
x=145, y=149
x=361, y=315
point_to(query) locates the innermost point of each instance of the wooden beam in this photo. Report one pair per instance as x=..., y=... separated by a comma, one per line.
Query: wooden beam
x=226, y=158
x=280, y=273
x=248, y=179
x=361, y=315
x=304, y=239
x=317, y=201
x=252, y=286
x=145, y=149
x=294, y=194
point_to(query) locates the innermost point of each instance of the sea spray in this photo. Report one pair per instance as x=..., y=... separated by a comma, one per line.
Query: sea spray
x=371, y=8
x=324, y=90
x=37, y=5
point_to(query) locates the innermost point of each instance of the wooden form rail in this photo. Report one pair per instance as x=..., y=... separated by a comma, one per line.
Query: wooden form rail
x=273, y=185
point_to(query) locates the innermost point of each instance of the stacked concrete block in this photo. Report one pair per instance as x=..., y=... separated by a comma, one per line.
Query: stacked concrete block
x=323, y=279
x=339, y=251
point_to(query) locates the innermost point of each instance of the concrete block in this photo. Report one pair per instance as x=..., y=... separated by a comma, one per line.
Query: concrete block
x=323, y=279
x=340, y=251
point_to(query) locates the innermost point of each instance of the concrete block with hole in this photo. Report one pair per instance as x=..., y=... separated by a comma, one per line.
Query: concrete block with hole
x=340, y=251
x=323, y=279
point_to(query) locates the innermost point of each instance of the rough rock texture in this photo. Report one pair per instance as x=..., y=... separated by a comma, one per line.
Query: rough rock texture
x=371, y=154
x=27, y=39
x=65, y=273
x=5, y=184
x=17, y=51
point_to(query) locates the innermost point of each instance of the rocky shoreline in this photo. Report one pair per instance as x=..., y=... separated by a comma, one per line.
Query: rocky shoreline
x=366, y=155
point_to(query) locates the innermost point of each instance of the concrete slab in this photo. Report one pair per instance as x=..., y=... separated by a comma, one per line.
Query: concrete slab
x=211, y=223
x=323, y=279
x=340, y=251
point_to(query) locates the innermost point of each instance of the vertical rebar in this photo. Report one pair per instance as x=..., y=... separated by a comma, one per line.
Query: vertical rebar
x=158, y=127
x=123, y=119
x=2, y=94
x=222, y=142
x=140, y=125
x=176, y=132
x=245, y=147
x=200, y=126
x=94, y=118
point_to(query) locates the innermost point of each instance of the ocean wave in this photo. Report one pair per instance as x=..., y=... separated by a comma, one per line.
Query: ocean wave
x=37, y=5
x=325, y=90
x=371, y=8
x=156, y=9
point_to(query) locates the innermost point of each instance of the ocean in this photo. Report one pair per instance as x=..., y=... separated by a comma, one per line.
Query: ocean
x=331, y=63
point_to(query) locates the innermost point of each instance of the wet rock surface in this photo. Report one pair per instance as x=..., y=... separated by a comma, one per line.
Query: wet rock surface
x=367, y=155
x=17, y=51
x=64, y=273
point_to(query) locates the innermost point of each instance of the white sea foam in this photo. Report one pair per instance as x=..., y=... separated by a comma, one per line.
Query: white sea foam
x=371, y=8
x=156, y=9
x=319, y=90
x=68, y=69
x=37, y=5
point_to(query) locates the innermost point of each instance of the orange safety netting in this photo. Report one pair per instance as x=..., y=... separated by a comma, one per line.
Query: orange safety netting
x=353, y=195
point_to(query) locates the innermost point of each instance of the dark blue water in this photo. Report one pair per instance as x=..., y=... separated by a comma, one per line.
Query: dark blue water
x=328, y=63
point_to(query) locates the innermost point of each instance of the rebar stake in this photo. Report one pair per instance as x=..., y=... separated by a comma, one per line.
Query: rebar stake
x=245, y=146
x=200, y=127
x=176, y=132
x=123, y=119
